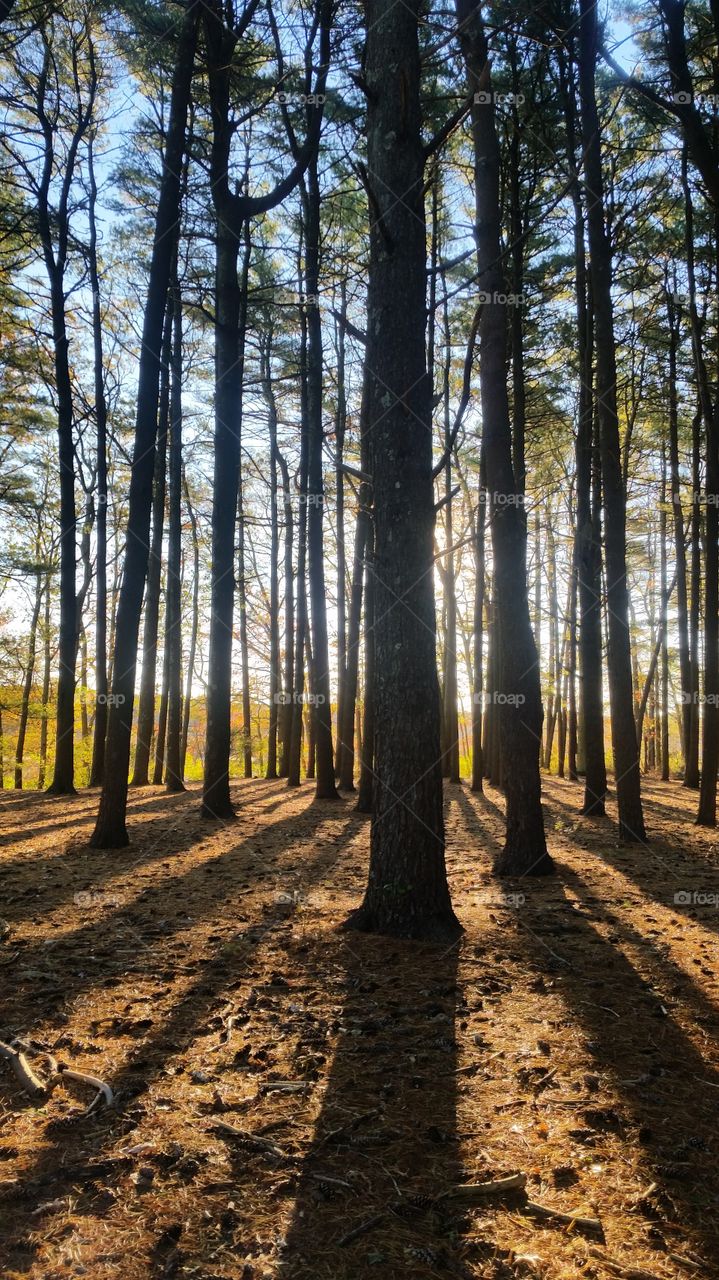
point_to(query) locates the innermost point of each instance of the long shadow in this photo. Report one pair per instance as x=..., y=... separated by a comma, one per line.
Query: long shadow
x=470, y=809
x=385, y=1140
x=148, y=923
x=73, y=1162
x=46, y=882
x=664, y=1089
x=666, y=874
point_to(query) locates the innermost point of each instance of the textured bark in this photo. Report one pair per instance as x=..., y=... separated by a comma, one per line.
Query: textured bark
x=518, y=689
x=274, y=621
x=346, y=733
x=321, y=705
x=173, y=626
x=624, y=744
x=97, y=768
x=110, y=830
x=407, y=893
x=153, y=587
x=478, y=634
x=195, y=624
x=29, y=677
x=285, y=724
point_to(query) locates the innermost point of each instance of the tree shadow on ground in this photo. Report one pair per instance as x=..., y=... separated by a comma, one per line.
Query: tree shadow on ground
x=384, y=1142
x=81, y=1161
x=662, y=1090
x=680, y=879
x=36, y=883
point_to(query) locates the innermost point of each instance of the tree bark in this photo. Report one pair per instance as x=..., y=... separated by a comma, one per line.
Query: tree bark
x=624, y=743
x=407, y=893
x=110, y=830
x=518, y=691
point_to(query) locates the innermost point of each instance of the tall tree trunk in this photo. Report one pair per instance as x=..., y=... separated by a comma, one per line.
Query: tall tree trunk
x=349, y=700
x=195, y=625
x=340, y=427
x=275, y=677
x=29, y=677
x=624, y=743
x=158, y=771
x=450, y=715
x=285, y=724
x=110, y=830
x=229, y=367
x=321, y=696
x=478, y=633
x=298, y=680
x=244, y=636
x=173, y=627
x=46, y=673
x=153, y=588
x=407, y=893
x=97, y=767
x=365, y=790
x=520, y=709
x=680, y=555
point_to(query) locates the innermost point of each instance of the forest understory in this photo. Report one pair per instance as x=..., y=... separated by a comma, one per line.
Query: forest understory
x=570, y=1036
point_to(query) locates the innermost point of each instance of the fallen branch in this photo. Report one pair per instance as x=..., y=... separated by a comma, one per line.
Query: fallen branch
x=250, y=1140
x=31, y=1083
x=571, y=1219
x=472, y=1191
x=80, y=1077
x=363, y=1227
x=627, y=1273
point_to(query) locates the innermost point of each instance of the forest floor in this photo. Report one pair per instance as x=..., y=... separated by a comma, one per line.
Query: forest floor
x=571, y=1035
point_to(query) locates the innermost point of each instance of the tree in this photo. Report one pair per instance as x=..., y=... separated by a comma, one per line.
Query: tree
x=518, y=690
x=110, y=829
x=407, y=893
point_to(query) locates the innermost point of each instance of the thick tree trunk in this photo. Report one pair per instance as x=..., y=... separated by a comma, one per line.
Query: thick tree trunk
x=624, y=743
x=407, y=893
x=518, y=691
x=110, y=830
x=229, y=364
